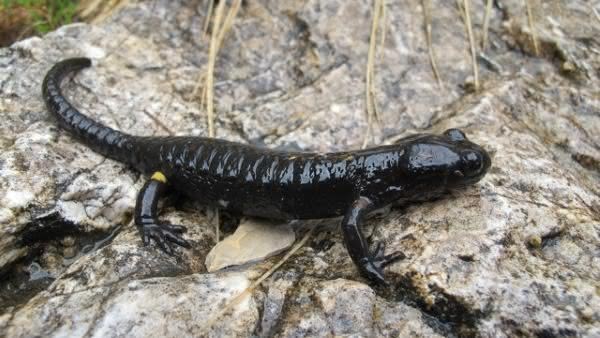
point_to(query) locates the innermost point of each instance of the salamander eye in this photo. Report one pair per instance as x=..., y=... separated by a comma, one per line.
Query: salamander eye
x=455, y=134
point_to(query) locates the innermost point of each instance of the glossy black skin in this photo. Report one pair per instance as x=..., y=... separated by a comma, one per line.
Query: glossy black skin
x=275, y=184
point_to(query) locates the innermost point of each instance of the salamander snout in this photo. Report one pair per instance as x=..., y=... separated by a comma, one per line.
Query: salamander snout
x=474, y=160
x=473, y=165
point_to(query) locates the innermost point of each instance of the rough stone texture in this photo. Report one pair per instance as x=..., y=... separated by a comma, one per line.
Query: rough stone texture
x=252, y=241
x=517, y=254
x=139, y=308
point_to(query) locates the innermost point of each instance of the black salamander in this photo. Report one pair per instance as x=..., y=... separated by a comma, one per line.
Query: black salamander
x=267, y=183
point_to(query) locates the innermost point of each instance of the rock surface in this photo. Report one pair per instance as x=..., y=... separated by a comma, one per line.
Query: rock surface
x=517, y=254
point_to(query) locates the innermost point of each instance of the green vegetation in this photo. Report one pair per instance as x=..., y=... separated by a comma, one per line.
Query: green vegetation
x=41, y=15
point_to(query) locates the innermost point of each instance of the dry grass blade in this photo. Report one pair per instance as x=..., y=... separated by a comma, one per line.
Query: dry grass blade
x=461, y=11
x=96, y=11
x=113, y=6
x=211, y=4
x=596, y=14
x=217, y=222
x=237, y=299
x=530, y=20
x=208, y=90
x=486, y=24
x=157, y=121
x=383, y=30
x=231, y=14
x=432, y=58
x=378, y=11
x=220, y=27
x=467, y=9
x=209, y=78
x=88, y=7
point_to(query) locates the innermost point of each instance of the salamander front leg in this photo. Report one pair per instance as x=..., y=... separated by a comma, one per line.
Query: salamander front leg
x=370, y=265
x=146, y=216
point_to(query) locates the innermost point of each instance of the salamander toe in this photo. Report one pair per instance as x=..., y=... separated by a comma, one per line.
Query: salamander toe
x=383, y=260
x=372, y=267
x=373, y=271
x=164, y=235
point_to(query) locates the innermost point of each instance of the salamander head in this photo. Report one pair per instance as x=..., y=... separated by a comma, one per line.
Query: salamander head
x=422, y=167
x=474, y=160
x=447, y=161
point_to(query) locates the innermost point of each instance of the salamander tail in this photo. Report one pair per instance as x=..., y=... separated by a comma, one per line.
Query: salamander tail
x=102, y=139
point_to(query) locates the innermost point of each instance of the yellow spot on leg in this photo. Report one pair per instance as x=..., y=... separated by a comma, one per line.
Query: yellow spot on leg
x=158, y=176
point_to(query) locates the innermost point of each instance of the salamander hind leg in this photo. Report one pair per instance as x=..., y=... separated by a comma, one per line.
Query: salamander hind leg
x=370, y=265
x=146, y=217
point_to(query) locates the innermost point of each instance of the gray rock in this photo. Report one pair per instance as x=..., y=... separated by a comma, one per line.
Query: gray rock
x=168, y=307
x=517, y=254
x=336, y=307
